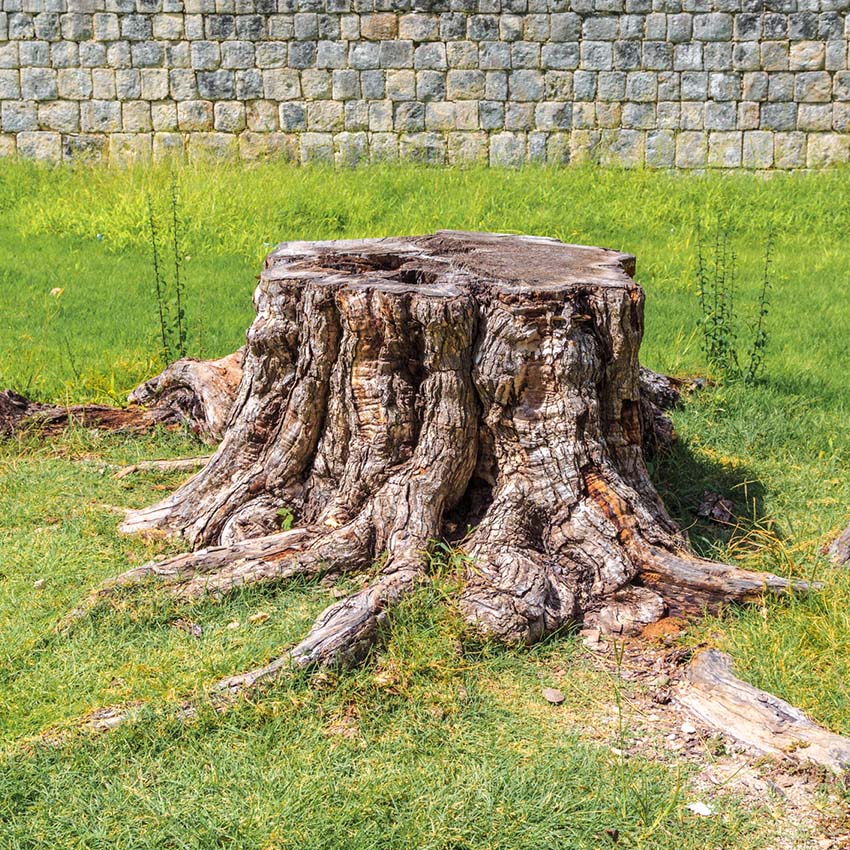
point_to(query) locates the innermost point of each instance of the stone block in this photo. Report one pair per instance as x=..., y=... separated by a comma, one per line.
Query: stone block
x=524, y=54
x=378, y=27
x=596, y=55
x=292, y=117
x=10, y=84
x=779, y=116
x=525, y=85
x=622, y=148
x=164, y=116
x=154, y=83
x=401, y=85
x=229, y=116
x=212, y=147
x=419, y=27
x=325, y=116
x=775, y=55
x=553, y=116
x=281, y=84
x=585, y=146
x=332, y=54
x=100, y=116
x=136, y=117
x=194, y=115
x=216, y=85
x=724, y=149
x=757, y=149
x=807, y=56
x=814, y=117
x=381, y=116
x=466, y=85
x=257, y=146
x=467, y=148
x=519, y=116
x=63, y=54
x=827, y=149
x=433, y=56
x=41, y=84
x=396, y=54
x=721, y=116
x=166, y=146
x=691, y=149
x=660, y=149
x=59, y=115
x=789, y=150
x=240, y=55
x=167, y=27
x=40, y=145
x=351, y=149
x=714, y=26
x=409, y=116
x=462, y=55
x=560, y=56
x=507, y=150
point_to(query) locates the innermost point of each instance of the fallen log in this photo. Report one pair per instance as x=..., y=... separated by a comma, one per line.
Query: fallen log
x=394, y=389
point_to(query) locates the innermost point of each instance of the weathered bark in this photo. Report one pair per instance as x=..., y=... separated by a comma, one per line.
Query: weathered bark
x=197, y=393
x=398, y=390
x=839, y=549
x=756, y=718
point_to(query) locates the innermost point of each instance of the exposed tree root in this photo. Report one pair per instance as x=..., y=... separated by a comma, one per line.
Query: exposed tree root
x=200, y=393
x=179, y=464
x=197, y=393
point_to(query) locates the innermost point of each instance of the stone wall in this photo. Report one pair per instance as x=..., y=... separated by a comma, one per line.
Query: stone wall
x=686, y=83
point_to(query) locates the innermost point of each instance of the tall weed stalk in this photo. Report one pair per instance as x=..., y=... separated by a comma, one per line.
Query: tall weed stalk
x=169, y=293
x=720, y=322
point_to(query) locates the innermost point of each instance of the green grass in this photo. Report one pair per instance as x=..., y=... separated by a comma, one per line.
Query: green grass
x=447, y=750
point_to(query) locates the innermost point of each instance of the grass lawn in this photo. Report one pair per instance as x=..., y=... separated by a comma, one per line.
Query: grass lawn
x=424, y=747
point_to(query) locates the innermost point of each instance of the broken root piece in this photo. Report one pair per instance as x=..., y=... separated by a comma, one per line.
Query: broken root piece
x=197, y=393
x=714, y=695
x=179, y=464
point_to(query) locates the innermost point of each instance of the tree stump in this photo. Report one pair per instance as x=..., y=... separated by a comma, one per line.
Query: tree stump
x=479, y=386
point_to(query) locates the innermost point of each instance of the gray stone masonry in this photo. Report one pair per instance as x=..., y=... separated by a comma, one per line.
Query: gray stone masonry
x=691, y=84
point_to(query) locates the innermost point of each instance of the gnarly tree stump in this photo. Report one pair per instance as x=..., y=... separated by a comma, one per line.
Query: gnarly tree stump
x=398, y=390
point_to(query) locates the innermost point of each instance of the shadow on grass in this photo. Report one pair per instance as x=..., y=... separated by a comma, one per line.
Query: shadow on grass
x=682, y=478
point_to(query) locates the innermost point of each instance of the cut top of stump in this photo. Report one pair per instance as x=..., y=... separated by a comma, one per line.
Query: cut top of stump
x=446, y=262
